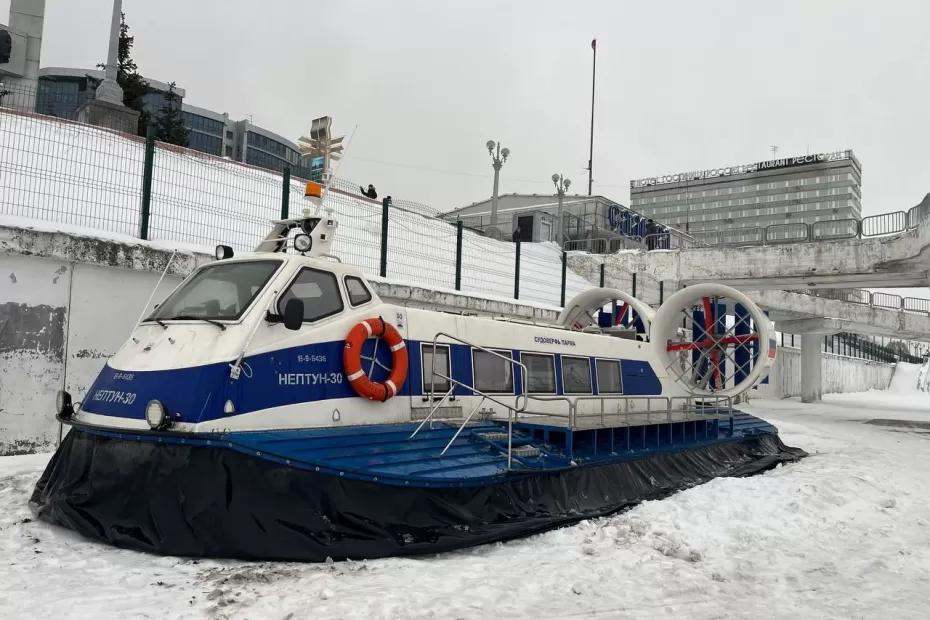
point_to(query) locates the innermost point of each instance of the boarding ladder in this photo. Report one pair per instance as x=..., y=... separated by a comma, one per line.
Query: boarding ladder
x=519, y=398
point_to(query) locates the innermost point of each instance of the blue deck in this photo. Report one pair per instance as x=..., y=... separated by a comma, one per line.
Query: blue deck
x=385, y=453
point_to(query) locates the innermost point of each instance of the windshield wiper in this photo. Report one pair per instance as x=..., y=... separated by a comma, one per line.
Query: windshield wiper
x=190, y=317
x=160, y=322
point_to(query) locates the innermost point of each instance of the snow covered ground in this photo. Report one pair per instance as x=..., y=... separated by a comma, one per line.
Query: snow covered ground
x=843, y=534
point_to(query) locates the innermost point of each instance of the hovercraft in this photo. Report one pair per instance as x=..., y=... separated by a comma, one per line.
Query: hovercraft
x=274, y=407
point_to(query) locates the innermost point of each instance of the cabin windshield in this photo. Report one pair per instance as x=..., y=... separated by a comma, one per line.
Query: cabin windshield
x=221, y=291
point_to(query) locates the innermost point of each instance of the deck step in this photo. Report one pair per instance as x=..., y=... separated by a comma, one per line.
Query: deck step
x=526, y=451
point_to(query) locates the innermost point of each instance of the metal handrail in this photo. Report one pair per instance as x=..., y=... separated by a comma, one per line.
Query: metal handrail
x=772, y=236
x=888, y=301
x=602, y=398
x=573, y=401
x=512, y=410
x=516, y=407
x=869, y=226
x=693, y=400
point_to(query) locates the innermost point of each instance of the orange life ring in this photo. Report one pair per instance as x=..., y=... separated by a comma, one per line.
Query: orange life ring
x=352, y=359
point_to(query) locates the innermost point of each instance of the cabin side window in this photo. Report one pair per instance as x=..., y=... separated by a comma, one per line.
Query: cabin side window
x=493, y=374
x=576, y=375
x=358, y=292
x=540, y=372
x=437, y=384
x=318, y=290
x=609, y=378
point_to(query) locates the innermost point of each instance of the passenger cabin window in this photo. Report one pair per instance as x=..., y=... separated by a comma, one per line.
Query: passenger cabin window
x=540, y=373
x=576, y=375
x=220, y=291
x=608, y=377
x=358, y=292
x=437, y=384
x=319, y=292
x=492, y=373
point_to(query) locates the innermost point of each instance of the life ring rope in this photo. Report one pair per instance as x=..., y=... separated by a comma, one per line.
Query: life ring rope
x=352, y=358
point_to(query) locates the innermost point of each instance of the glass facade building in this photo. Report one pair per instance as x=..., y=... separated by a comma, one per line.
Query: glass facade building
x=155, y=101
x=61, y=91
x=204, y=133
x=803, y=189
x=61, y=96
x=266, y=152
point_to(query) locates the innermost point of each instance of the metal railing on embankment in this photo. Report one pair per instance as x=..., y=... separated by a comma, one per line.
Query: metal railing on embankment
x=775, y=234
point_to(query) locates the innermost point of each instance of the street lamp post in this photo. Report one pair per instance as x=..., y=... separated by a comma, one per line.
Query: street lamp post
x=498, y=157
x=561, y=186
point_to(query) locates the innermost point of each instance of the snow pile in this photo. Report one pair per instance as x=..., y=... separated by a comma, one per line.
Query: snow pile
x=907, y=378
x=923, y=377
x=842, y=534
x=83, y=176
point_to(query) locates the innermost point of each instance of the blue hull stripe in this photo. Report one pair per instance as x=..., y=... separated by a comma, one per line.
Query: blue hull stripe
x=284, y=377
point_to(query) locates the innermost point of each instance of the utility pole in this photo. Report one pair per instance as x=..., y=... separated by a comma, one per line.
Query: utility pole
x=497, y=160
x=591, y=144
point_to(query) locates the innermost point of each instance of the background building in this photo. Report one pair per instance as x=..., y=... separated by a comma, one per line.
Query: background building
x=61, y=91
x=263, y=148
x=214, y=133
x=21, y=46
x=209, y=131
x=536, y=218
x=806, y=188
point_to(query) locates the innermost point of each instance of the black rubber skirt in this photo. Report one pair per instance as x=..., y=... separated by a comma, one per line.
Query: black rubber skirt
x=188, y=500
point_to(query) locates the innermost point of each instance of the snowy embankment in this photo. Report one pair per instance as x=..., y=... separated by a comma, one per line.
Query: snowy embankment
x=844, y=533
x=83, y=179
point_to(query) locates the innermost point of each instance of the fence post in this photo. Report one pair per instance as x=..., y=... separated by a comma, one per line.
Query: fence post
x=516, y=274
x=602, y=274
x=458, y=255
x=564, y=262
x=385, y=208
x=286, y=193
x=147, y=169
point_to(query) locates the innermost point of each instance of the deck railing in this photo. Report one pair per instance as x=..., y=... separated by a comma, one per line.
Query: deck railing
x=607, y=406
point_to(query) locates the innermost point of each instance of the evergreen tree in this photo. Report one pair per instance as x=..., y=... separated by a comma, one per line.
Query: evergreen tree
x=168, y=121
x=169, y=125
x=128, y=77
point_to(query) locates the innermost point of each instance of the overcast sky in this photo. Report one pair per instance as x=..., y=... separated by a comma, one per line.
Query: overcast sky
x=681, y=85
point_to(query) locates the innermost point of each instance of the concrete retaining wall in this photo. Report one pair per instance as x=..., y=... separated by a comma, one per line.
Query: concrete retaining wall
x=59, y=322
x=840, y=374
